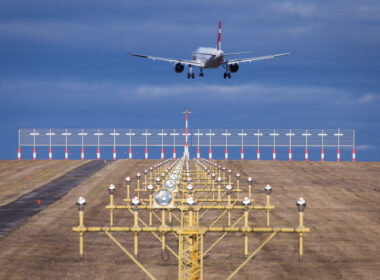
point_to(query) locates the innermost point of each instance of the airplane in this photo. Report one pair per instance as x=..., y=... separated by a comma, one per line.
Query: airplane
x=205, y=57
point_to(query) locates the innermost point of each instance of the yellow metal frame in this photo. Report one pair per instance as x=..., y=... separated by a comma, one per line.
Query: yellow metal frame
x=188, y=227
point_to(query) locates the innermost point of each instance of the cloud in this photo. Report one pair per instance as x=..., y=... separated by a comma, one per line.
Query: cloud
x=367, y=99
x=366, y=147
x=302, y=9
x=102, y=91
x=258, y=92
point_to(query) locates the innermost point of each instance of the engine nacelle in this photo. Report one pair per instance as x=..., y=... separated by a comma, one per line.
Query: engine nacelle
x=178, y=68
x=233, y=67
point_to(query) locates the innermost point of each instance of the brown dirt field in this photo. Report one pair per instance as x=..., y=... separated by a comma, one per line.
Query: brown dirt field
x=14, y=181
x=343, y=207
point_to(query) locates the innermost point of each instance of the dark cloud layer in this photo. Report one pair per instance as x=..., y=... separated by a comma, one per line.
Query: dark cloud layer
x=64, y=64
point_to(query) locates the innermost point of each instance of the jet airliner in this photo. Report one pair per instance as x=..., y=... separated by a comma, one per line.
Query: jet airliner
x=205, y=57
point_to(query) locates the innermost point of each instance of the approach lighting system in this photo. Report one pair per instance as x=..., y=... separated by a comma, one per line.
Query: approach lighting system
x=170, y=204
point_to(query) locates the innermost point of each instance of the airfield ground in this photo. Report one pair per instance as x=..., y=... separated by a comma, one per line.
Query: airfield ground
x=20, y=177
x=343, y=212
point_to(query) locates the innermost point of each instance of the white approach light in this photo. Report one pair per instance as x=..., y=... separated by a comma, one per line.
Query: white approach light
x=190, y=201
x=128, y=180
x=246, y=202
x=229, y=188
x=163, y=197
x=170, y=185
x=135, y=201
x=173, y=177
x=301, y=203
x=249, y=180
x=268, y=189
x=189, y=187
x=150, y=188
x=111, y=188
x=81, y=201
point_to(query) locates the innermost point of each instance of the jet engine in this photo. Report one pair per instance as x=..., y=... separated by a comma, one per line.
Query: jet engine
x=178, y=68
x=233, y=67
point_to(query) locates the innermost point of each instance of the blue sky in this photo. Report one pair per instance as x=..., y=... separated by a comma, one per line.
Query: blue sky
x=63, y=64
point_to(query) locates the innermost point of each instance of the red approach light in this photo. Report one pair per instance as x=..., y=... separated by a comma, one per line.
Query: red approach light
x=39, y=202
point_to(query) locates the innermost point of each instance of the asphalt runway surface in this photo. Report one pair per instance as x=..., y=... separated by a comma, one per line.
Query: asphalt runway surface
x=12, y=214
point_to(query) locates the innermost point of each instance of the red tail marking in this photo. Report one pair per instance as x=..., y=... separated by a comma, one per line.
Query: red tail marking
x=218, y=46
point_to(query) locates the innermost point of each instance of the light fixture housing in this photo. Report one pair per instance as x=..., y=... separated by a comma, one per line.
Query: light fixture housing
x=170, y=185
x=163, y=199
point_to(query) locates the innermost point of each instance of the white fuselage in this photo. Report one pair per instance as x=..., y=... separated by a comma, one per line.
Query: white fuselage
x=209, y=57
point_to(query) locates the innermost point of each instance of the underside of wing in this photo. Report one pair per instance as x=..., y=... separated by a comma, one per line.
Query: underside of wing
x=171, y=60
x=251, y=59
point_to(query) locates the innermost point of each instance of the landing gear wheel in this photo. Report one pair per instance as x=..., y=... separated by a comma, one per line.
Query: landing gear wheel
x=229, y=75
x=200, y=74
x=192, y=75
x=188, y=75
x=225, y=75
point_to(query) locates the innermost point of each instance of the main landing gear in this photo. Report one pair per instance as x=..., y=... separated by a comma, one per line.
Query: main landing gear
x=227, y=75
x=190, y=74
x=201, y=73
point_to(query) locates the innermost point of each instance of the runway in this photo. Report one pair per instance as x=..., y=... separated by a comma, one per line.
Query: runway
x=14, y=213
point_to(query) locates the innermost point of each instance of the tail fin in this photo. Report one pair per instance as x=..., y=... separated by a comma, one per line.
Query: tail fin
x=218, y=46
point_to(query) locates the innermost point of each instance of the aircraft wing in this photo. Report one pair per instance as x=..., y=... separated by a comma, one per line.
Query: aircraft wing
x=251, y=59
x=171, y=60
